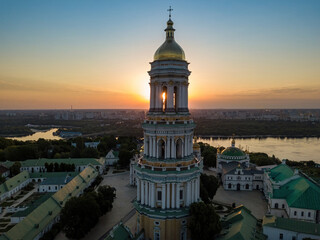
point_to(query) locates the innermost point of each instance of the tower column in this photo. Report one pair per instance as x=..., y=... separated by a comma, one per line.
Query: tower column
x=152, y=195
x=170, y=98
x=142, y=192
x=185, y=145
x=198, y=184
x=146, y=194
x=196, y=190
x=138, y=189
x=163, y=196
x=168, y=195
x=188, y=193
x=154, y=147
x=178, y=196
x=151, y=97
x=144, y=145
x=168, y=147
x=173, y=193
x=172, y=147
x=149, y=191
x=150, y=146
x=192, y=191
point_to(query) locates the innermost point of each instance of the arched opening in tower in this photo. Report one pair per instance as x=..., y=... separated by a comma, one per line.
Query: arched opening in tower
x=179, y=148
x=161, y=148
x=164, y=98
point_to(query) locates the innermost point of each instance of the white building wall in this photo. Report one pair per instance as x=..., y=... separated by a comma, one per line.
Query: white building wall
x=274, y=234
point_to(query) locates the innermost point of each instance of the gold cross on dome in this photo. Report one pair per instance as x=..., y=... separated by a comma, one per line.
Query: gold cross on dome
x=170, y=10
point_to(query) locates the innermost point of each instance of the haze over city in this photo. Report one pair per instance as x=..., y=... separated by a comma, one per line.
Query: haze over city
x=242, y=54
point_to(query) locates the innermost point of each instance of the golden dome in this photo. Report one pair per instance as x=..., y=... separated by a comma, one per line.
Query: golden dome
x=170, y=49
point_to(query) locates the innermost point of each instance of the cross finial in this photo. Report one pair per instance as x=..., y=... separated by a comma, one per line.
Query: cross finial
x=170, y=10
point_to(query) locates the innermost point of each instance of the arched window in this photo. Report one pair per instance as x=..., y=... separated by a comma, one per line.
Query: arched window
x=229, y=185
x=179, y=148
x=276, y=205
x=164, y=98
x=161, y=148
x=247, y=186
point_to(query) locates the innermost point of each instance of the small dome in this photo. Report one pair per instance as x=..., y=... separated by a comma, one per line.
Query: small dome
x=170, y=49
x=233, y=152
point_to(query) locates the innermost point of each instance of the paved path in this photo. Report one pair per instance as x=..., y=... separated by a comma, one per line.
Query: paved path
x=253, y=200
x=122, y=206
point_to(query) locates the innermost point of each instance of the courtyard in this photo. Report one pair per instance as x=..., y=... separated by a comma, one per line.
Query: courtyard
x=253, y=200
x=122, y=205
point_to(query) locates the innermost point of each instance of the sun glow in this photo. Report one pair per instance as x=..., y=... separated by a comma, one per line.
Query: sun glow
x=163, y=97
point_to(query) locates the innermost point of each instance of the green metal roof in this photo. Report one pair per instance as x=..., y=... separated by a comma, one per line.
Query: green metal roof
x=233, y=152
x=33, y=206
x=299, y=193
x=76, y=161
x=14, y=182
x=57, y=180
x=52, y=174
x=240, y=224
x=280, y=172
x=38, y=219
x=292, y=225
x=120, y=232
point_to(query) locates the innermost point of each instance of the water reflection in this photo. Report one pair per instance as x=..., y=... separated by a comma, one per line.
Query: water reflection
x=48, y=135
x=298, y=149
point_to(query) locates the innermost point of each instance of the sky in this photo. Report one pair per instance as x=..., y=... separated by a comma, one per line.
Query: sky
x=95, y=54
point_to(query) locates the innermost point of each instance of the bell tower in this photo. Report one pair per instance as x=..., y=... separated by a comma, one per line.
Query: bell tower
x=168, y=173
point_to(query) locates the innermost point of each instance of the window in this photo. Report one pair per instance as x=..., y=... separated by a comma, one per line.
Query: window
x=229, y=185
x=159, y=195
x=309, y=214
x=281, y=236
x=156, y=235
x=276, y=205
x=295, y=213
x=302, y=214
x=181, y=194
x=282, y=205
x=49, y=188
x=293, y=238
x=247, y=186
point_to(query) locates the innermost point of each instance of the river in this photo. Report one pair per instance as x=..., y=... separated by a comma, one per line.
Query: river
x=298, y=149
x=46, y=134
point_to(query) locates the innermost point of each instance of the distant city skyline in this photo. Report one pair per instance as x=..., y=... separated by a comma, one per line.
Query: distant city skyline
x=95, y=55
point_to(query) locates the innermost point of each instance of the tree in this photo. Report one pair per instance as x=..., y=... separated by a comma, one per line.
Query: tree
x=209, y=154
x=15, y=168
x=124, y=157
x=204, y=222
x=106, y=195
x=79, y=215
x=89, y=152
x=208, y=187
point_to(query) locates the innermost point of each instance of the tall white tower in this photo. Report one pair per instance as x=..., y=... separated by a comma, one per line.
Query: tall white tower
x=168, y=174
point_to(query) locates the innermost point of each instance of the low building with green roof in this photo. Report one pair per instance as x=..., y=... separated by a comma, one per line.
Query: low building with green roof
x=240, y=224
x=39, y=165
x=285, y=228
x=292, y=195
x=120, y=232
x=14, y=185
x=42, y=218
x=20, y=215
